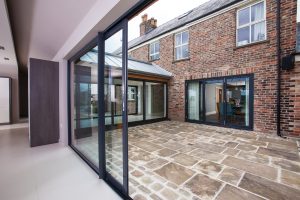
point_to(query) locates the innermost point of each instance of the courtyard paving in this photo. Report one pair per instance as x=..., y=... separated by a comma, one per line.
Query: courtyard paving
x=177, y=160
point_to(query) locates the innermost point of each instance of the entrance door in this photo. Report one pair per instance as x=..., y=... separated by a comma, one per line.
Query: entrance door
x=113, y=103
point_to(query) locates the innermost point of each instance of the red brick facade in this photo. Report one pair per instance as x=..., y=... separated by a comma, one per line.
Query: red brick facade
x=213, y=53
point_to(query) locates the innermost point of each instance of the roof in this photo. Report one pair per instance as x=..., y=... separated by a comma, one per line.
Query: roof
x=194, y=14
x=134, y=66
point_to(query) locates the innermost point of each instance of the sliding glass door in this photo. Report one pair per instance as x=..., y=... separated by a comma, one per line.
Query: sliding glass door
x=238, y=101
x=214, y=107
x=114, y=100
x=195, y=99
x=224, y=101
x=113, y=94
x=84, y=103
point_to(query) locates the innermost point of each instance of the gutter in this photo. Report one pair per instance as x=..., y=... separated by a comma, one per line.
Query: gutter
x=278, y=24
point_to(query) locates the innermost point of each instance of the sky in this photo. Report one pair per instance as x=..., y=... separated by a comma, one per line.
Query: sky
x=163, y=11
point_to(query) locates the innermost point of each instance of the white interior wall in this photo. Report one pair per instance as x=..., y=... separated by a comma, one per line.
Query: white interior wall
x=4, y=100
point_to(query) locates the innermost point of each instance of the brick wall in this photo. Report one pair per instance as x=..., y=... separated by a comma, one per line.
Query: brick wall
x=213, y=53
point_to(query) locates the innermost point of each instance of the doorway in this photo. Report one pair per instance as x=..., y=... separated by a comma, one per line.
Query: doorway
x=223, y=101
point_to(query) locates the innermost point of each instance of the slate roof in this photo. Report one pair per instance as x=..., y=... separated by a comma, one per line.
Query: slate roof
x=134, y=66
x=196, y=13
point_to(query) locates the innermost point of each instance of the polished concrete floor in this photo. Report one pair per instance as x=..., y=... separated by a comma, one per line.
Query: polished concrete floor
x=176, y=160
x=51, y=172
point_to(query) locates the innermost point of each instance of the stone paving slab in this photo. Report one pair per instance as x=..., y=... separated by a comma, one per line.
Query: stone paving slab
x=268, y=189
x=232, y=193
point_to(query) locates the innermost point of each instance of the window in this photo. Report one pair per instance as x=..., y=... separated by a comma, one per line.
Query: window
x=182, y=45
x=251, y=24
x=131, y=93
x=154, y=51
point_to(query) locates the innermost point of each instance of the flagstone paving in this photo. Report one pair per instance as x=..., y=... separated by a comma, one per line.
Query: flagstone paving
x=205, y=162
x=177, y=160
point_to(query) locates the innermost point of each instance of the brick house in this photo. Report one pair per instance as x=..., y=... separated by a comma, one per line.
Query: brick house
x=224, y=58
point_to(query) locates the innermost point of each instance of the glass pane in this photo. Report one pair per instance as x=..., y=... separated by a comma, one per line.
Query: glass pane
x=257, y=12
x=155, y=100
x=243, y=16
x=152, y=49
x=178, y=39
x=258, y=32
x=214, y=108
x=185, y=51
x=185, y=37
x=154, y=57
x=178, y=53
x=114, y=107
x=237, y=94
x=135, y=101
x=157, y=47
x=193, y=101
x=243, y=36
x=84, y=98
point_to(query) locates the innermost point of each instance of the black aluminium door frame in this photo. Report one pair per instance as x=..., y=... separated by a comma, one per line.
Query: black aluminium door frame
x=102, y=36
x=224, y=78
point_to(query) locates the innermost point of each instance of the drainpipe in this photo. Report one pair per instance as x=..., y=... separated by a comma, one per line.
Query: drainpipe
x=278, y=68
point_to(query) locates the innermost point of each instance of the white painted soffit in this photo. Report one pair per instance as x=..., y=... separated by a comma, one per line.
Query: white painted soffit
x=6, y=39
x=41, y=27
x=101, y=16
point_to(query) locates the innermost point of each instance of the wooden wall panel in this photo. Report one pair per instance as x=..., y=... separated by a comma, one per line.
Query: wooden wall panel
x=44, y=102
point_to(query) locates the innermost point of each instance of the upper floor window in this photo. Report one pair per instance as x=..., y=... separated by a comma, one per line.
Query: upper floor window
x=132, y=92
x=154, y=51
x=251, y=24
x=182, y=45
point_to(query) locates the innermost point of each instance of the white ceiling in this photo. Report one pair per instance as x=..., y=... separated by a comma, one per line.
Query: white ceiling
x=6, y=39
x=52, y=29
x=41, y=27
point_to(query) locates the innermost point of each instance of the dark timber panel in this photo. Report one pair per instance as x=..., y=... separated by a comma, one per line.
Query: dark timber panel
x=44, y=102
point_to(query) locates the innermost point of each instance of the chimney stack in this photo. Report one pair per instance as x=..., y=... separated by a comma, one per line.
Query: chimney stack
x=147, y=25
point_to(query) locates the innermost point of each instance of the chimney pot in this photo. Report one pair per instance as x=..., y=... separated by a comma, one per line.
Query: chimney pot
x=144, y=17
x=147, y=25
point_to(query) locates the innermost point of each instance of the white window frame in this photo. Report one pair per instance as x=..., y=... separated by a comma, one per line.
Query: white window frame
x=130, y=93
x=251, y=23
x=181, y=44
x=155, y=53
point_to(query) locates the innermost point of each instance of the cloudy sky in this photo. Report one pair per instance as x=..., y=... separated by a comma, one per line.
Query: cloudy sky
x=163, y=11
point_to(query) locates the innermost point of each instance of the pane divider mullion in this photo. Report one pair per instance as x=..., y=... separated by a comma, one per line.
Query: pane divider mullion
x=101, y=106
x=125, y=101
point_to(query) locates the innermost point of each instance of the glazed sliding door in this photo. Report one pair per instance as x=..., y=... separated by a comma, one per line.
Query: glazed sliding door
x=195, y=101
x=238, y=101
x=214, y=105
x=113, y=100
